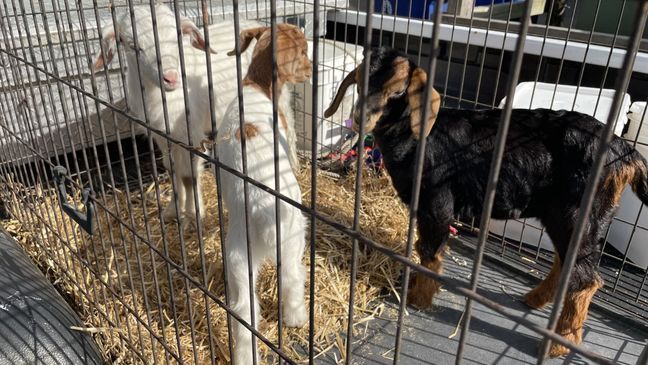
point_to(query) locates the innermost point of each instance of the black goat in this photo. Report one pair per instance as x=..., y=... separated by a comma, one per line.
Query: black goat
x=544, y=170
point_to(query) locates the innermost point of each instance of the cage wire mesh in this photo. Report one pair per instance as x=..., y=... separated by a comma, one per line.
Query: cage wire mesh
x=153, y=289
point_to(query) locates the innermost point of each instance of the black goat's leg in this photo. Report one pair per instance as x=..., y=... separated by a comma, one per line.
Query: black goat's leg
x=433, y=233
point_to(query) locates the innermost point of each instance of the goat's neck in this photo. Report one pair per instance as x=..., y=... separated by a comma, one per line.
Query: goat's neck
x=260, y=76
x=394, y=136
x=134, y=86
x=132, y=75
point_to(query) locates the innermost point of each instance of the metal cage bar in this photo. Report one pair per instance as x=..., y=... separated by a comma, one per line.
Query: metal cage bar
x=35, y=33
x=493, y=175
x=586, y=203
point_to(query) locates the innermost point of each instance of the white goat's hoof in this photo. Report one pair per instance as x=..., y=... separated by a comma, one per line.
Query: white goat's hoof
x=295, y=317
x=189, y=223
x=169, y=213
x=243, y=356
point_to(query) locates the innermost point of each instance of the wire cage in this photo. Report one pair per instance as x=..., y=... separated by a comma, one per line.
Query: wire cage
x=87, y=175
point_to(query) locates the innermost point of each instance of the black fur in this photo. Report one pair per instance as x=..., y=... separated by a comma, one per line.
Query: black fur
x=544, y=170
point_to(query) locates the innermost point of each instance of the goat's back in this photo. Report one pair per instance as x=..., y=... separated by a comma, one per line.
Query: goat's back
x=259, y=155
x=548, y=156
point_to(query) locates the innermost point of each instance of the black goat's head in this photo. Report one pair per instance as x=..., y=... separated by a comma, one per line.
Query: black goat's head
x=391, y=76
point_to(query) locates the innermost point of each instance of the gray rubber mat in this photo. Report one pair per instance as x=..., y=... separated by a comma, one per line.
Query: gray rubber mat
x=428, y=336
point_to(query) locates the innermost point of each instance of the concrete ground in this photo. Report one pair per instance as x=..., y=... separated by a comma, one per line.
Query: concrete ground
x=493, y=338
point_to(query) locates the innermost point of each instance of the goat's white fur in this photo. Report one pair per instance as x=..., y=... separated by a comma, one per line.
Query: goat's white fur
x=149, y=102
x=262, y=219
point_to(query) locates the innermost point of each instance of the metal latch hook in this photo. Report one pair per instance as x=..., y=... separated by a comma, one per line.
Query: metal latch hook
x=83, y=220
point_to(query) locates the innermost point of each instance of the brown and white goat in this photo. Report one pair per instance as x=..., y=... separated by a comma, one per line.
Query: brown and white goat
x=293, y=66
x=544, y=171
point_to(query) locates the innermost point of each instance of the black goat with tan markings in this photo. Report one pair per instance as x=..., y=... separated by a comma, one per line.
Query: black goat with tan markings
x=546, y=163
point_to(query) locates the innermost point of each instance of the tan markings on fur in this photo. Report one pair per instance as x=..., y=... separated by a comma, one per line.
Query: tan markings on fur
x=616, y=181
x=370, y=124
x=249, y=130
x=283, y=122
x=574, y=313
x=398, y=82
x=293, y=64
x=395, y=85
x=246, y=37
x=415, y=93
x=641, y=172
x=545, y=291
x=422, y=288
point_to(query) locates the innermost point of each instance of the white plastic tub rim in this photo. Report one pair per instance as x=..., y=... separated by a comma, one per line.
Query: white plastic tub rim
x=635, y=125
x=621, y=235
x=595, y=102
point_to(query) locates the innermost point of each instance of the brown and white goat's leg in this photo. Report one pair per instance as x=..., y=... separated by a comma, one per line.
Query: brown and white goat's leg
x=293, y=277
x=433, y=234
x=243, y=298
x=293, y=273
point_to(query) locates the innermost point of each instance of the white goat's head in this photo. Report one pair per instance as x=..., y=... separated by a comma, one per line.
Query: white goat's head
x=168, y=40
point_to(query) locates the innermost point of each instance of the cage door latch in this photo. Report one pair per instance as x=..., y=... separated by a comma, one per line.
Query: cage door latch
x=83, y=220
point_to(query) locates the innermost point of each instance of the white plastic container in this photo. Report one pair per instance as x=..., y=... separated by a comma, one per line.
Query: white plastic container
x=336, y=60
x=634, y=122
x=586, y=100
x=629, y=206
x=558, y=97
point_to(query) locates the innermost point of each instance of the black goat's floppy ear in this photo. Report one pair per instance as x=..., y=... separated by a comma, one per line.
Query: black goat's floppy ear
x=415, y=94
x=349, y=80
x=246, y=37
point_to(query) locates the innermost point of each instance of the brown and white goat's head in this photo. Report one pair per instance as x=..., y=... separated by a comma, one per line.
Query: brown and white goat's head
x=293, y=64
x=393, y=80
x=122, y=33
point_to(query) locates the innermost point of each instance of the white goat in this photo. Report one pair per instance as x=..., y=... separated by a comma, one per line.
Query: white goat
x=145, y=97
x=293, y=67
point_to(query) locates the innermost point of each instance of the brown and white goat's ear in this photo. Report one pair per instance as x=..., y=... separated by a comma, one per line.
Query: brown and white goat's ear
x=247, y=35
x=349, y=80
x=107, y=49
x=415, y=94
x=197, y=41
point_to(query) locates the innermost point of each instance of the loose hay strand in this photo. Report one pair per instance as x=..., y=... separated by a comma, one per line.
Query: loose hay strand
x=383, y=218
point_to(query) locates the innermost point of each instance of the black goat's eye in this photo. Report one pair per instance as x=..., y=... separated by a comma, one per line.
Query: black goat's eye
x=398, y=94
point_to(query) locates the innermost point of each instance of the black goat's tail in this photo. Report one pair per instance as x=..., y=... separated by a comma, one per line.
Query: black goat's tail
x=640, y=182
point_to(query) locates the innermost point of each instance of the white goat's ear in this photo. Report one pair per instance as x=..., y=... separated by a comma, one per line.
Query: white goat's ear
x=107, y=49
x=197, y=41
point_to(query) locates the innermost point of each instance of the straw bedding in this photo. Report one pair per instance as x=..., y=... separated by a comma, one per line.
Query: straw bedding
x=111, y=285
